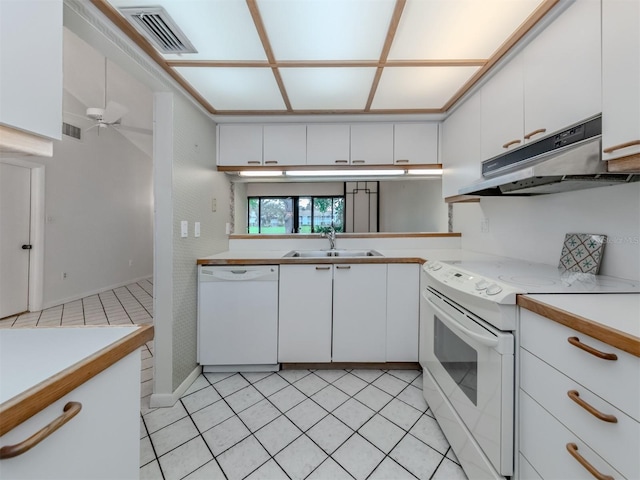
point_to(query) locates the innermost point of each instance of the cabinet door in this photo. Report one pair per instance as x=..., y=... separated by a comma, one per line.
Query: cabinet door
x=503, y=110
x=403, y=300
x=31, y=66
x=304, y=331
x=240, y=145
x=285, y=145
x=620, y=78
x=328, y=144
x=415, y=143
x=461, y=147
x=372, y=144
x=359, y=313
x=562, y=71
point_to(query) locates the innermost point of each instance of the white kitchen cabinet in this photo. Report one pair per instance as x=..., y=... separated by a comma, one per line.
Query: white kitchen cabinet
x=31, y=66
x=415, y=143
x=461, y=147
x=305, y=309
x=570, y=395
x=620, y=78
x=503, y=110
x=403, y=300
x=372, y=144
x=359, y=313
x=328, y=144
x=562, y=71
x=284, y=145
x=240, y=145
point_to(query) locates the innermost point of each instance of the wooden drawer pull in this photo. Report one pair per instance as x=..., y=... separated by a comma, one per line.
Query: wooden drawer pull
x=343, y=267
x=572, y=448
x=270, y=162
x=402, y=161
x=575, y=341
x=535, y=132
x=358, y=161
x=323, y=268
x=632, y=143
x=71, y=409
x=254, y=162
x=512, y=142
x=341, y=161
x=575, y=396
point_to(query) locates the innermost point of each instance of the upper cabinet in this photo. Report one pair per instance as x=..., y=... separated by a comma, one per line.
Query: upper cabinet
x=371, y=144
x=284, y=145
x=620, y=78
x=328, y=144
x=31, y=66
x=240, y=145
x=562, y=72
x=415, y=143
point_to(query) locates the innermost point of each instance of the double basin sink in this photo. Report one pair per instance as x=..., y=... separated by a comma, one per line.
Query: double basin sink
x=333, y=253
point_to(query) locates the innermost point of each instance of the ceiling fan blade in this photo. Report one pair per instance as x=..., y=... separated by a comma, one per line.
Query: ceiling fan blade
x=127, y=128
x=114, y=112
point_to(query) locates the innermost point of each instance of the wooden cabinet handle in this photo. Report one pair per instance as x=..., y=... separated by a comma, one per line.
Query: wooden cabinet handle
x=343, y=267
x=323, y=268
x=358, y=161
x=402, y=160
x=270, y=162
x=575, y=396
x=512, y=142
x=575, y=341
x=572, y=448
x=632, y=143
x=341, y=161
x=535, y=132
x=70, y=410
x=254, y=162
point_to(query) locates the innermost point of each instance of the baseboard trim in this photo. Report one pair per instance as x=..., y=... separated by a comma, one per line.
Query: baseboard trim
x=55, y=303
x=159, y=400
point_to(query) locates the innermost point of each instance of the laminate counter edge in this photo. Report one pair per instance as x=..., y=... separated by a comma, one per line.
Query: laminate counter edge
x=306, y=260
x=611, y=336
x=23, y=406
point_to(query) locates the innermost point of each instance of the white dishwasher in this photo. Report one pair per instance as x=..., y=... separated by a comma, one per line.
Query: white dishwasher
x=238, y=318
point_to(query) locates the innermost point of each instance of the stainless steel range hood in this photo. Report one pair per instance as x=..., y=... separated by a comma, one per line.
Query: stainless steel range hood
x=561, y=162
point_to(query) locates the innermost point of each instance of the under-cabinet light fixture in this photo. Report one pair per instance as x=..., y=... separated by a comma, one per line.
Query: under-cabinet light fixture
x=260, y=173
x=422, y=171
x=343, y=173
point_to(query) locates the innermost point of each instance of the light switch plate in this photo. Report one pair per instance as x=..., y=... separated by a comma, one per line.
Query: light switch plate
x=184, y=228
x=196, y=229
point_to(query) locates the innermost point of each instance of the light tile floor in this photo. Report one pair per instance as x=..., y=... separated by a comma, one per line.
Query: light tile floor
x=291, y=424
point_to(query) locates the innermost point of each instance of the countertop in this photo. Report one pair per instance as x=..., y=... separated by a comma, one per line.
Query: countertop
x=611, y=318
x=40, y=365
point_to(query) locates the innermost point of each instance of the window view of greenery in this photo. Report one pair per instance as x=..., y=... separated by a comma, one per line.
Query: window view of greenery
x=273, y=215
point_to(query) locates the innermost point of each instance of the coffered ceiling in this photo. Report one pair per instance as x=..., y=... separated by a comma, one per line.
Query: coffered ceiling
x=334, y=56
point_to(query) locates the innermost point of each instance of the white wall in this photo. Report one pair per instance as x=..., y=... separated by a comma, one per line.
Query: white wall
x=99, y=206
x=533, y=228
x=412, y=206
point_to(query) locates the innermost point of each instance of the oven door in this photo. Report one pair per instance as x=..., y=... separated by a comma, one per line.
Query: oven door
x=473, y=364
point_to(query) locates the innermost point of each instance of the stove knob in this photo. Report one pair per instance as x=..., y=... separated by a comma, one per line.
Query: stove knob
x=481, y=285
x=494, y=289
x=436, y=266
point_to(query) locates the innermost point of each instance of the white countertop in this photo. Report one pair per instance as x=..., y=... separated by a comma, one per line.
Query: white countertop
x=620, y=311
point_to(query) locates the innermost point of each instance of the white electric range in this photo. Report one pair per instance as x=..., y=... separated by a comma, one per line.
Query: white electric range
x=468, y=318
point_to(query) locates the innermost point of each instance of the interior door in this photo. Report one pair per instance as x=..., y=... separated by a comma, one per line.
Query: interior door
x=15, y=220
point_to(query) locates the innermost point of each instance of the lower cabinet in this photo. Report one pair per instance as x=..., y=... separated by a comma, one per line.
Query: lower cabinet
x=360, y=313
x=403, y=303
x=305, y=299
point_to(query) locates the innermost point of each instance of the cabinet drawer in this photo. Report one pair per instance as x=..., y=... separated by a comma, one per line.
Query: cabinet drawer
x=616, y=381
x=549, y=388
x=544, y=440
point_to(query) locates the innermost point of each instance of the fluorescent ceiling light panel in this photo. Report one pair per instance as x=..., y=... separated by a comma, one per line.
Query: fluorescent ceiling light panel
x=416, y=171
x=236, y=88
x=466, y=29
x=326, y=30
x=343, y=173
x=219, y=30
x=260, y=173
x=328, y=88
x=419, y=87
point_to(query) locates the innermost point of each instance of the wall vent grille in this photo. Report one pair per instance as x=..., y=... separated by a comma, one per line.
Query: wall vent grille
x=71, y=131
x=155, y=24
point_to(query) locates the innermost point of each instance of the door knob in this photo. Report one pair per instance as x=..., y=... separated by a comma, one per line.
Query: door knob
x=27, y=247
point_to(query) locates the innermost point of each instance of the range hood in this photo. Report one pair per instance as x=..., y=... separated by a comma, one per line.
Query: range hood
x=560, y=162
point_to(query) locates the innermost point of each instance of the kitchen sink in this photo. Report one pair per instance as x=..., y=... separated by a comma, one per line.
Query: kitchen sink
x=333, y=253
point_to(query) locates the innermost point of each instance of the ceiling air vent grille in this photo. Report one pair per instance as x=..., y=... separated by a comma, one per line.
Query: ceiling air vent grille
x=155, y=24
x=71, y=131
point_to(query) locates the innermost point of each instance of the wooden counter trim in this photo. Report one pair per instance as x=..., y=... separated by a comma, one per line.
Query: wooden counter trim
x=462, y=199
x=22, y=407
x=14, y=141
x=628, y=164
x=608, y=335
x=307, y=260
x=347, y=235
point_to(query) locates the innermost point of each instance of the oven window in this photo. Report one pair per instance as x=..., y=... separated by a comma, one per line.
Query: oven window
x=458, y=359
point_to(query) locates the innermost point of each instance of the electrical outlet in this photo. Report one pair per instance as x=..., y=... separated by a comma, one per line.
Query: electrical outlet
x=64, y=275
x=484, y=225
x=214, y=204
x=184, y=228
x=196, y=229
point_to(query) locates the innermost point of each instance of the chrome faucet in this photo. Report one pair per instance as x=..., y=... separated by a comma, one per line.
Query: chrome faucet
x=331, y=235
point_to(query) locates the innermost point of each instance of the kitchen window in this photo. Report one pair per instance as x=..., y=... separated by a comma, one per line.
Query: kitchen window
x=295, y=214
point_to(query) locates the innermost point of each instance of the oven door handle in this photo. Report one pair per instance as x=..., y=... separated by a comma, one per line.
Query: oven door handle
x=489, y=341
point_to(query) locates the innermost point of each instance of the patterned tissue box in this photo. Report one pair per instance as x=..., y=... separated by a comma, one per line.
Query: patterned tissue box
x=582, y=252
